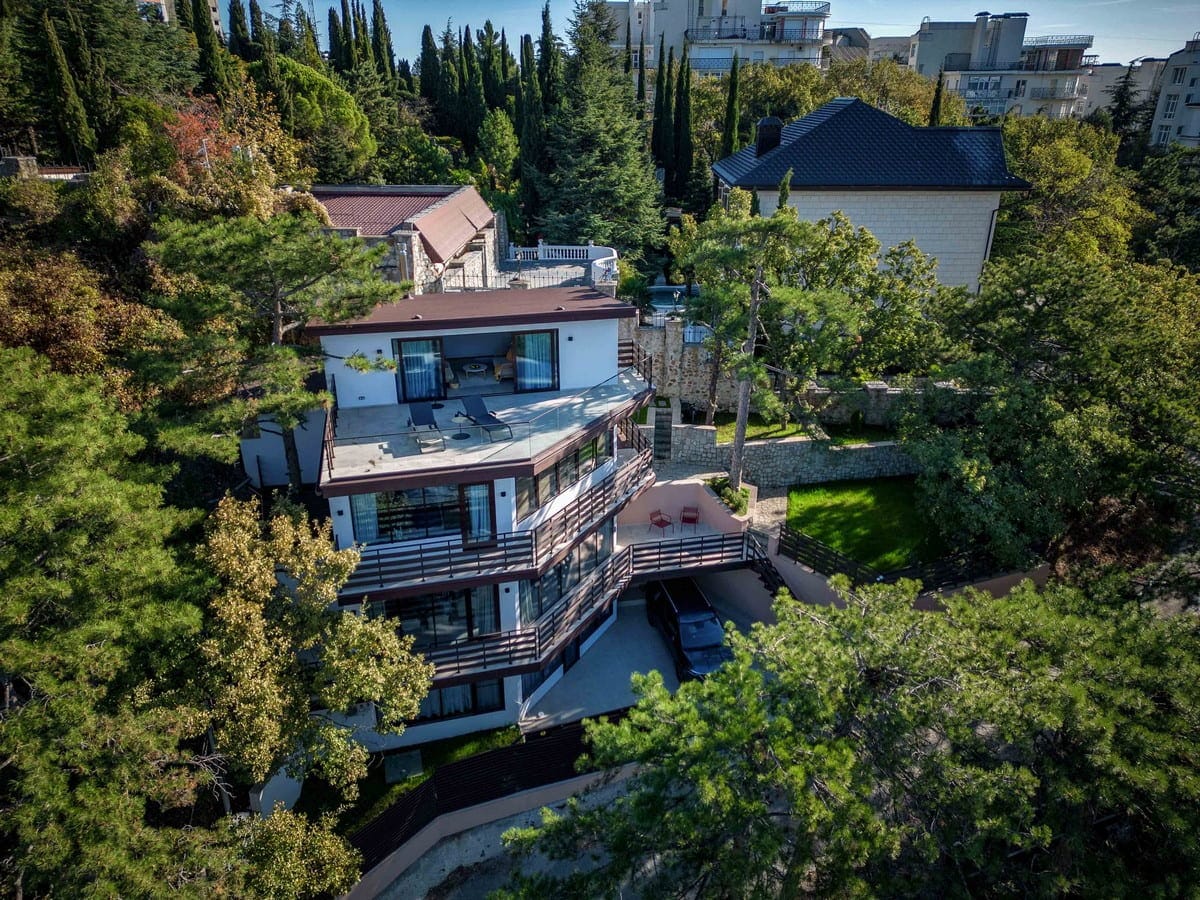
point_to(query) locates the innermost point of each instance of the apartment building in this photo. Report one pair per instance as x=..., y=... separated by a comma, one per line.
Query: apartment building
x=998, y=70
x=940, y=187
x=780, y=33
x=1177, y=115
x=1099, y=80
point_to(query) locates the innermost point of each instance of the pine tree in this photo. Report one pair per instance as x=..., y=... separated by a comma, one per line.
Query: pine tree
x=286, y=39
x=935, y=108
x=550, y=64
x=666, y=133
x=72, y=118
x=660, y=74
x=430, y=67
x=213, y=77
x=597, y=181
x=183, y=15
x=305, y=49
x=641, y=78
x=239, y=32
x=684, y=141
x=730, y=144
x=473, y=101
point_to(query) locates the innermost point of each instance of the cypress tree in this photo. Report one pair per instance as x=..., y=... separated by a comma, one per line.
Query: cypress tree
x=684, y=142
x=258, y=29
x=336, y=52
x=348, y=59
x=92, y=86
x=72, y=118
x=628, y=61
x=785, y=189
x=430, y=65
x=494, y=85
x=667, y=132
x=473, y=102
x=531, y=137
x=506, y=61
x=733, y=114
x=656, y=123
x=285, y=36
x=404, y=78
x=275, y=84
x=935, y=109
x=364, y=55
x=239, y=32
x=448, y=87
x=304, y=42
x=549, y=64
x=183, y=15
x=213, y=78
x=381, y=43
x=641, y=79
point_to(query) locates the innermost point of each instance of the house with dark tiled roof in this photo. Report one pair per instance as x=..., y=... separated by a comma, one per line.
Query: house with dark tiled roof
x=442, y=237
x=940, y=187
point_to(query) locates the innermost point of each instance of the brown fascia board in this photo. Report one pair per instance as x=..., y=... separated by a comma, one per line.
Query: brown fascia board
x=468, y=474
x=530, y=318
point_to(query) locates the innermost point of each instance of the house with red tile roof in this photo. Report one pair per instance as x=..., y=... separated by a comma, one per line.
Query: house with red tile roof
x=440, y=237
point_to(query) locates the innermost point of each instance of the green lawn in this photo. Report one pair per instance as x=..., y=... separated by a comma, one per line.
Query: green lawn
x=756, y=428
x=875, y=522
x=375, y=795
x=841, y=435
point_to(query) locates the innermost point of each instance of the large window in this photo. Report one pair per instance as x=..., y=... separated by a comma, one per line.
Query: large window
x=420, y=368
x=1163, y=136
x=534, y=492
x=424, y=513
x=1170, y=106
x=541, y=596
x=436, y=620
x=463, y=700
x=537, y=360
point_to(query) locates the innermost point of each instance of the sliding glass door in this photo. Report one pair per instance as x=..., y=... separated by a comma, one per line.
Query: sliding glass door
x=537, y=360
x=478, y=521
x=419, y=368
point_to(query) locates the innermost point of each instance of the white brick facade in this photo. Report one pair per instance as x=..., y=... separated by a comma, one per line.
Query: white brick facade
x=953, y=226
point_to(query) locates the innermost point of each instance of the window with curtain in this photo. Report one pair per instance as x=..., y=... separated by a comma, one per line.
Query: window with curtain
x=364, y=517
x=463, y=700
x=421, y=368
x=478, y=522
x=536, y=364
x=436, y=620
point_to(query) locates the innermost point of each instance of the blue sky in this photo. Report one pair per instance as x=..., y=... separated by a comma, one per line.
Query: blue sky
x=1124, y=29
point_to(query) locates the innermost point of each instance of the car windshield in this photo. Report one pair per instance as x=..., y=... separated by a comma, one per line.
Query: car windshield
x=695, y=634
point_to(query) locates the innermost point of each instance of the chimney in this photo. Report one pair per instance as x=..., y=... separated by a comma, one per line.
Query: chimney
x=770, y=129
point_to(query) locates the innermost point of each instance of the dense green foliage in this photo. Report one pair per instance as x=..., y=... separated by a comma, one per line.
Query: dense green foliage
x=1033, y=745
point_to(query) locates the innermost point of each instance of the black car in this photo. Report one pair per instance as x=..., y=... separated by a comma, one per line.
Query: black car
x=679, y=609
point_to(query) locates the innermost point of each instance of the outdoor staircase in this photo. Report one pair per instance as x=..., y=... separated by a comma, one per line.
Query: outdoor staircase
x=662, y=432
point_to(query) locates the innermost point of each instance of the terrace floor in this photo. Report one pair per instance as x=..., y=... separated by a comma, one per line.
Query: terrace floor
x=380, y=440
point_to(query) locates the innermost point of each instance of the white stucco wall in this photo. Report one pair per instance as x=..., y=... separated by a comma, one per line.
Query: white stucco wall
x=953, y=226
x=266, y=452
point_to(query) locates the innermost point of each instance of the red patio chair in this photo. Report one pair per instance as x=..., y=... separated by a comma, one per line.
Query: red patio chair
x=690, y=515
x=659, y=519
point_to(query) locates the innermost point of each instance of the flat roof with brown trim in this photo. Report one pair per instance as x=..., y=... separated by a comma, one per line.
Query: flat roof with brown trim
x=434, y=312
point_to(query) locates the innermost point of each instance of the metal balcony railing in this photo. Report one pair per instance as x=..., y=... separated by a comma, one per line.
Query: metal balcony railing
x=1060, y=40
x=1053, y=93
x=518, y=553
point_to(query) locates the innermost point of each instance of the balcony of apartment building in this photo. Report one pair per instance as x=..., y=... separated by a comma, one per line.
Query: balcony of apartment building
x=540, y=266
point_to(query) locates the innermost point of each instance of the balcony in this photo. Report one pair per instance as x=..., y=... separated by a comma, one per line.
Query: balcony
x=388, y=570
x=727, y=30
x=1054, y=93
x=1075, y=41
x=530, y=648
x=365, y=443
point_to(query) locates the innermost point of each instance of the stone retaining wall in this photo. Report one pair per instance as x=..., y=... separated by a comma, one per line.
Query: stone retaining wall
x=781, y=462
